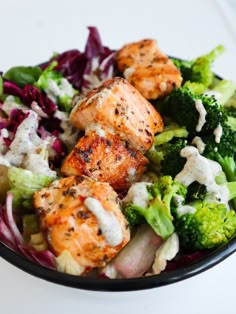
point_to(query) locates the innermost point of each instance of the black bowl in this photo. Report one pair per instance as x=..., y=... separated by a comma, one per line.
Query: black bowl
x=102, y=284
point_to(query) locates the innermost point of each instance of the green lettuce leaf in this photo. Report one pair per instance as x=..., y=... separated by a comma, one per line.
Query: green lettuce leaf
x=21, y=75
x=24, y=183
x=57, y=88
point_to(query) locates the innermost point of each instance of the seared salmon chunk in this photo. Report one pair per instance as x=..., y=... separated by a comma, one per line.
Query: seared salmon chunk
x=148, y=69
x=105, y=157
x=120, y=108
x=82, y=216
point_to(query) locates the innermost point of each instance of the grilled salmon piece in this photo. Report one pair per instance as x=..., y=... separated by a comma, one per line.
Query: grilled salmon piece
x=82, y=216
x=105, y=158
x=149, y=70
x=118, y=106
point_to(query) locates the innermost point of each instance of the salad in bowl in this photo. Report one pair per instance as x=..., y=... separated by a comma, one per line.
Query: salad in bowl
x=116, y=165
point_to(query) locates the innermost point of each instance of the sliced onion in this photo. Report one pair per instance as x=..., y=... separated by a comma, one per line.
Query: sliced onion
x=138, y=255
x=6, y=235
x=10, y=220
x=44, y=258
x=11, y=236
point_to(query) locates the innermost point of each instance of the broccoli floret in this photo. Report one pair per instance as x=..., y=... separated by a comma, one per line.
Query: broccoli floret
x=157, y=213
x=226, y=146
x=223, y=152
x=133, y=216
x=172, y=163
x=181, y=106
x=185, y=68
x=165, y=152
x=200, y=69
x=196, y=88
x=210, y=226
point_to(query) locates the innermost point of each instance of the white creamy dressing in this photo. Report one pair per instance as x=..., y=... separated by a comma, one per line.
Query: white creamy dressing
x=138, y=194
x=163, y=86
x=36, y=108
x=183, y=209
x=198, y=142
x=35, y=163
x=4, y=133
x=54, y=90
x=70, y=134
x=10, y=103
x=108, y=223
x=203, y=170
x=131, y=174
x=218, y=132
x=97, y=128
x=128, y=72
x=25, y=140
x=202, y=114
x=25, y=146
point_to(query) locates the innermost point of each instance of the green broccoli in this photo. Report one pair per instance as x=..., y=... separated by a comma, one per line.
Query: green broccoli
x=133, y=216
x=165, y=152
x=172, y=162
x=223, y=152
x=196, y=88
x=157, y=213
x=208, y=227
x=181, y=106
x=199, y=70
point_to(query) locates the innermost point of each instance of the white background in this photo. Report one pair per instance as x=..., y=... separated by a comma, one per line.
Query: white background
x=30, y=32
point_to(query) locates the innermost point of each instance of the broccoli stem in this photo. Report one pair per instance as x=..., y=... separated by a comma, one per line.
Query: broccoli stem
x=158, y=217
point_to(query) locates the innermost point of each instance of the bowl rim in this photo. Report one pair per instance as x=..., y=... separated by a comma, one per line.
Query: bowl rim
x=125, y=284
x=129, y=284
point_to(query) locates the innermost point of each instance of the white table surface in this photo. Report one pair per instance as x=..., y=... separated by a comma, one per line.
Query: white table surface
x=30, y=32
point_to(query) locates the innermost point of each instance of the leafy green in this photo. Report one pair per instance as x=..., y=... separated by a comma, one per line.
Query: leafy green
x=226, y=89
x=24, y=183
x=170, y=131
x=199, y=70
x=165, y=151
x=56, y=87
x=22, y=75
